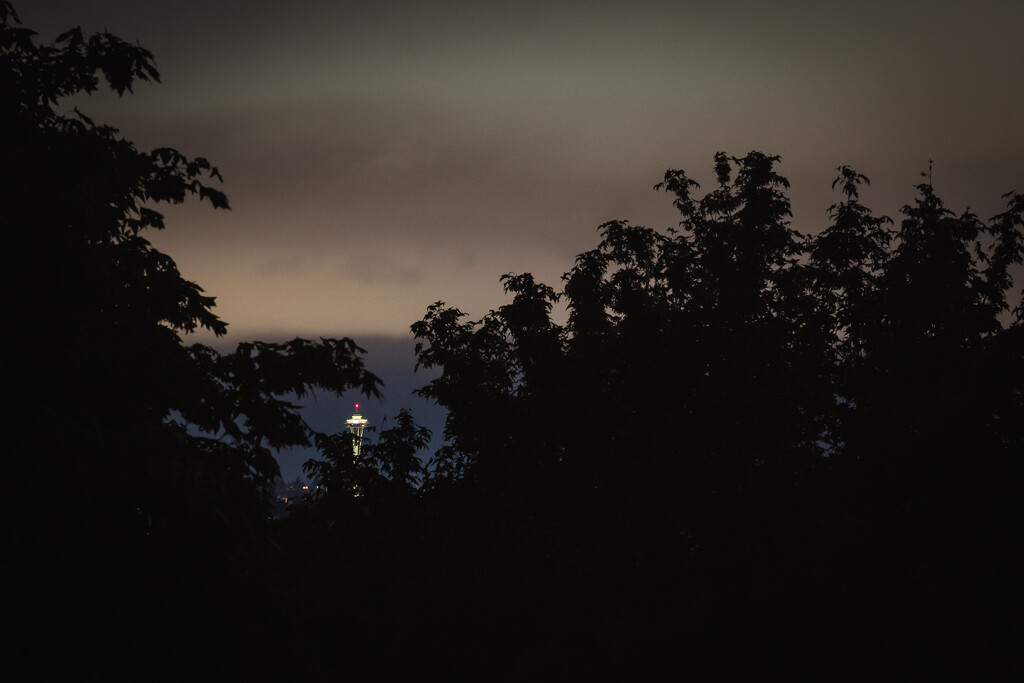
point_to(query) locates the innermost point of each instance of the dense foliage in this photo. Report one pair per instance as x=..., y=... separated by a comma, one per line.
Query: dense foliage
x=741, y=429
x=745, y=447
x=143, y=464
x=742, y=438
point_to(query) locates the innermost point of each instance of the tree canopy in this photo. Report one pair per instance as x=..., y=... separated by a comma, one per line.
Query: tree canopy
x=741, y=439
x=735, y=337
x=795, y=427
x=137, y=453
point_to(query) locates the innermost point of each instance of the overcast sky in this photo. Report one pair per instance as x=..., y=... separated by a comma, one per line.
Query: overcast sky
x=383, y=155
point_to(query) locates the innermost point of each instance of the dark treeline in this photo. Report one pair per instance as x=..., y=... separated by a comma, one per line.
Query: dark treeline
x=746, y=449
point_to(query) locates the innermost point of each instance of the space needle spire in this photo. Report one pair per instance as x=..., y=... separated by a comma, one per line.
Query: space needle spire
x=356, y=424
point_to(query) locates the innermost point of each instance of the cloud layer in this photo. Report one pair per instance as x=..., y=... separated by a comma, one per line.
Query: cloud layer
x=383, y=157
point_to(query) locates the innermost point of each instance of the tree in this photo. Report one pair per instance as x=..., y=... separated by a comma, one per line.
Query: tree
x=752, y=422
x=927, y=371
x=147, y=452
x=705, y=340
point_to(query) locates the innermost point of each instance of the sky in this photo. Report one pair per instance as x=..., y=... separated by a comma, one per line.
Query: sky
x=382, y=156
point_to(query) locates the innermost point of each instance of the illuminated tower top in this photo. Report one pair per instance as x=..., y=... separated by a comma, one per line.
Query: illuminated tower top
x=356, y=424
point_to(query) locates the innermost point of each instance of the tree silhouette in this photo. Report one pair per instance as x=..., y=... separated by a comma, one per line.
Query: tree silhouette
x=151, y=460
x=741, y=438
x=791, y=426
x=927, y=355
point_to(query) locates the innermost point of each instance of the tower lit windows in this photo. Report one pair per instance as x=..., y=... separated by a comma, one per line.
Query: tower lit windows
x=356, y=424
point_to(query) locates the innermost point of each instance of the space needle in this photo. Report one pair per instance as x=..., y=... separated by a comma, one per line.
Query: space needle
x=356, y=424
